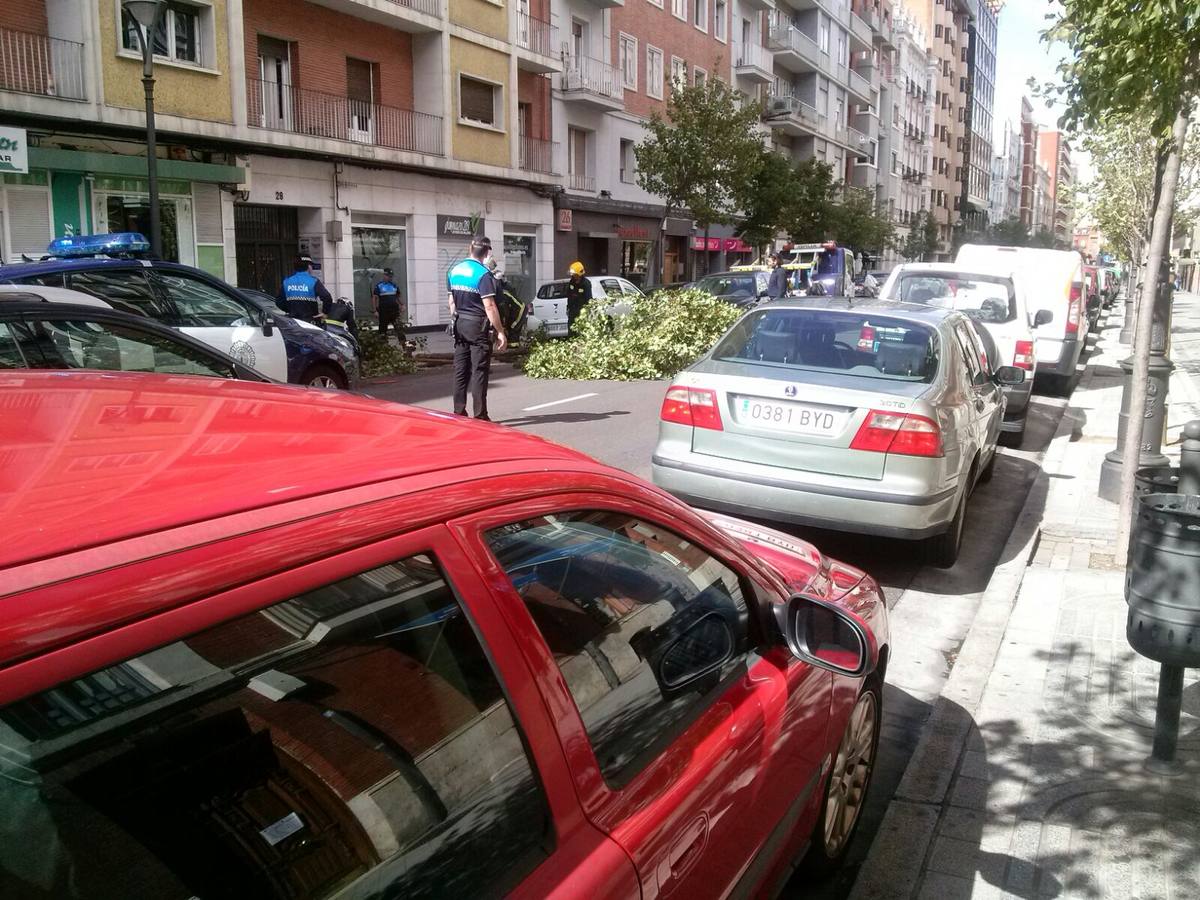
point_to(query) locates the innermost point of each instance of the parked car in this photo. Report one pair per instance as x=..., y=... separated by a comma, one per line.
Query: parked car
x=1093, y=292
x=744, y=289
x=267, y=643
x=995, y=302
x=1053, y=281
x=550, y=305
x=196, y=303
x=296, y=329
x=71, y=330
x=878, y=417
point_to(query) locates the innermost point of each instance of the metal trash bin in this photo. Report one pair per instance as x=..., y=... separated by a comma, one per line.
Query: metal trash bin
x=1162, y=580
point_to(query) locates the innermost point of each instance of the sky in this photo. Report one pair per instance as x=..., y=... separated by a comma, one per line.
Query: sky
x=1021, y=54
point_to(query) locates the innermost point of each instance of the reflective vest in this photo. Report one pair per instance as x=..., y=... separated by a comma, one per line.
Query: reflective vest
x=464, y=286
x=300, y=290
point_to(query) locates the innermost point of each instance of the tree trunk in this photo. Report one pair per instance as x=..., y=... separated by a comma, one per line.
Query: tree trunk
x=1140, y=379
x=658, y=250
x=706, y=249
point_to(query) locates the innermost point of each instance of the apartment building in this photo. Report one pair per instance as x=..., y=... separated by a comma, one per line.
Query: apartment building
x=912, y=111
x=1054, y=155
x=1029, y=165
x=368, y=134
x=981, y=91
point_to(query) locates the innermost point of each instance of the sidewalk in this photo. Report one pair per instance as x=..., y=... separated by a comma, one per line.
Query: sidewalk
x=1029, y=780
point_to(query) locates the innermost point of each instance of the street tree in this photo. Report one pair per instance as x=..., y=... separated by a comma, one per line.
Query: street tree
x=922, y=239
x=702, y=154
x=766, y=207
x=860, y=223
x=813, y=196
x=1009, y=233
x=1133, y=60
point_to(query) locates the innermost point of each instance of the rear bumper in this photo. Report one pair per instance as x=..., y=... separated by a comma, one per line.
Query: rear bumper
x=1058, y=357
x=707, y=483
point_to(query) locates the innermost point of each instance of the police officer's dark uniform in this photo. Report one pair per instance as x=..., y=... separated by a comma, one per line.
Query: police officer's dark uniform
x=303, y=295
x=777, y=284
x=470, y=283
x=387, y=305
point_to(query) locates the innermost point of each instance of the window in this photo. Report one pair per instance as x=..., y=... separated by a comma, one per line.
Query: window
x=478, y=102
x=973, y=354
x=353, y=740
x=100, y=344
x=855, y=345
x=577, y=155
x=679, y=72
x=679, y=9
x=823, y=32
x=699, y=77
x=628, y=162
x=628, y=54
x=654, y=72
x=987, y=299
x=201, y=305
x=700, y=14
x=578, y=39
x=123, y=289
x=179, y=37
x=720, y=15
x=843, y=49
x=644, y=625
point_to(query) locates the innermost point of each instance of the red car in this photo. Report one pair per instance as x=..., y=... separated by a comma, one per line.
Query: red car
x=261, y=642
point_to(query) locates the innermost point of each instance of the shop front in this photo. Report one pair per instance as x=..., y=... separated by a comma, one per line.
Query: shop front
x=616, y=239
x=70, y=192
x=718, y=254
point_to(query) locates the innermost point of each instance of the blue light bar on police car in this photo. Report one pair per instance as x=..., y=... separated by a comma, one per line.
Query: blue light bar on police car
x=118, y=243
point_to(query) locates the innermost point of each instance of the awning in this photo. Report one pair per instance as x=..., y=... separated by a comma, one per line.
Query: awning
x=117, y=164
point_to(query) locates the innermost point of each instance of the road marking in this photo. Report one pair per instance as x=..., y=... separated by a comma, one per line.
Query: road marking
x=557, y=402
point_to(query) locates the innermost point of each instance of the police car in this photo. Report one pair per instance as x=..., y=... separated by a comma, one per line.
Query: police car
x=113, y=268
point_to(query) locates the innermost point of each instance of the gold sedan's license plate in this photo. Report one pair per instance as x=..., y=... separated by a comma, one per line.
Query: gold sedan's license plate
x=793, y=417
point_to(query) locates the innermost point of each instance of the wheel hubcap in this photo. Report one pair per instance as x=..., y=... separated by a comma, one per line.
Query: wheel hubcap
x=851, y=772
x=323, y=381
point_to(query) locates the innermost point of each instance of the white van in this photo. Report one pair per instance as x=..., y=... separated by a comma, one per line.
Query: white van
x=994, y=300
x=1053, y=281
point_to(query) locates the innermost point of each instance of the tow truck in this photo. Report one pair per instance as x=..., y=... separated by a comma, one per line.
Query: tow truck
x=826, y=262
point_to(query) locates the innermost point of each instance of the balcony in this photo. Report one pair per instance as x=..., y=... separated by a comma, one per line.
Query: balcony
x=577, y=182
x=753, y=63
x=792, y=116
x=859, y=87
x=37, y=64
x=858, y=142
x=795, y=50
x=860, y=33
x=535, y=42
x=282, y=107
x=414, y=16
x=607, y=4
x=536, y=155
x=756, y=5
x=592, y=83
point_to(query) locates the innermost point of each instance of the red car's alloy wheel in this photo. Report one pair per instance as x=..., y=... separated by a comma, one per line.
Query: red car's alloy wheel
x=851, y=775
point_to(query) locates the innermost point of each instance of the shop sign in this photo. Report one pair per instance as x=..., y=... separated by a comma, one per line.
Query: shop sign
x=711, y=244
x=565, y=222
x=518, y=245
x=14, y=154
x=455, y=226
x=736, y=245
x=632, y=233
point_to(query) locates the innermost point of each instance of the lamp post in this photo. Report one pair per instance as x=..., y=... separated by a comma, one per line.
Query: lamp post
x=146, y=13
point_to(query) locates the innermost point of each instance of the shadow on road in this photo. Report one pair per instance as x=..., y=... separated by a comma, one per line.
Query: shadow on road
x=567, y=418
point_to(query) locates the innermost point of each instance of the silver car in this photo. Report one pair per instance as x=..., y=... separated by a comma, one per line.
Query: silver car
x=870, y=416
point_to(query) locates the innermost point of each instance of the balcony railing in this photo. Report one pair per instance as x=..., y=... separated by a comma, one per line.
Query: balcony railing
x=535, y=35
x=752, y=55
x=857, y=139
x=579, y=182
x=37, y=64
x=537, y=155
x=784, y=38
x=858, y=84
x=282, y=107
x=429, y=7
x=785, y=105
x=592, y=76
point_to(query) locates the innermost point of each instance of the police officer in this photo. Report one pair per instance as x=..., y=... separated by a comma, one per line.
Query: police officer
x=475, y=322
x=579, y=293
x=777, y=285
x=385, y=300
x=303, y=295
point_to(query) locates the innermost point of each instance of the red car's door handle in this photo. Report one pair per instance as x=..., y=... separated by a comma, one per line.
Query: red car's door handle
x=684, y=853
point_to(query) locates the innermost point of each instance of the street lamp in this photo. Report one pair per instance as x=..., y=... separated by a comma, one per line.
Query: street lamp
x=146, y=13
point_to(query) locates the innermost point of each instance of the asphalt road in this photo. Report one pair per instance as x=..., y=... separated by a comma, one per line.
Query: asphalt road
x=617, y=423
